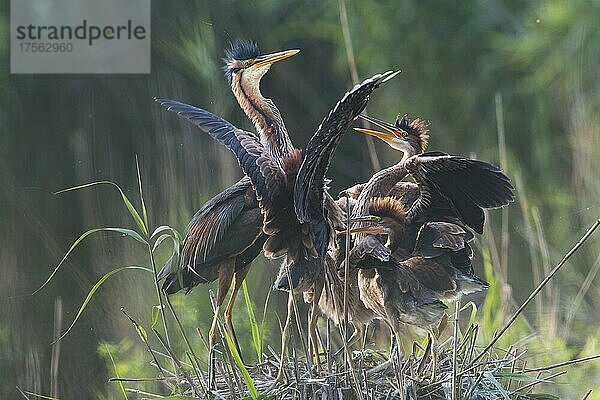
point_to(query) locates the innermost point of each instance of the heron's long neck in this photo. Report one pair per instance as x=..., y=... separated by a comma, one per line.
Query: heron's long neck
x=379, y=185
x=264, y=115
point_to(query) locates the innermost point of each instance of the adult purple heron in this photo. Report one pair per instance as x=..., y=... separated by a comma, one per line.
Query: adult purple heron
x=225, y=235
x=299, y=230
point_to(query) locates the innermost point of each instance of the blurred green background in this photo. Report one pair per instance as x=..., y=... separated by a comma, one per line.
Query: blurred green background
x=464, y=64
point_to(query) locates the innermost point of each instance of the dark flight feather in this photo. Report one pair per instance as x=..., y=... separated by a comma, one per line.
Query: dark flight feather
x=310, y=185
x=266, y=177
x=468, y=186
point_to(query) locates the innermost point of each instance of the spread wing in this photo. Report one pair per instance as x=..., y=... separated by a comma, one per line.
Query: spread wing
x=267, y=178
x=431, y=274
x=309, y=188
x=211, y=222
x=437, y=238
x=467, y=185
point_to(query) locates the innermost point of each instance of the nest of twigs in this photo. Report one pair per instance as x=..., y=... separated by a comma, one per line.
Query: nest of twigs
x=457, y=369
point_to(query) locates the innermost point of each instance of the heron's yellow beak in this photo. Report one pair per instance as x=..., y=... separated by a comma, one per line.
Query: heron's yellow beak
x=381, y=135
x=366, y=218
x=390, y=131
x=274, y=57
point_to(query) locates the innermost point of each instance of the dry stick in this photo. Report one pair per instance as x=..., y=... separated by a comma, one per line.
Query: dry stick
x=472, y=388
x=176, y=361
x=138, y=391
x=512, y=364
x=145, y=340
x=539, y=288
x=347, y=357
x=529, y=385
x=212, y=376
x=355, y=79
x=502, y=153
x=193, y=358
x=56, y=348
x=579, y=297
x=307, y=351
x=455, y=345
x=136, y=379
x=564, y=363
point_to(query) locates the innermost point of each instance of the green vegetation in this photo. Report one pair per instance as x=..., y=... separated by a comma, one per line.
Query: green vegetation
x=514, y=82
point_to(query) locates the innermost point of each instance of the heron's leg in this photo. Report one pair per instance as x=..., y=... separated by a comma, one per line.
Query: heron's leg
x=284, y=341
x=238, y=278
x=357, y=334
x=434, y=355
x=394, y=347
x=427, y=352
x=312, y=324
x=225, y=277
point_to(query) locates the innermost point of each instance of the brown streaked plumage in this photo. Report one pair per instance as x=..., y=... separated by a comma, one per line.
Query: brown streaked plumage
x=225, y=235
x=390, y=289
x=331, y=302
x=441, y=258
x=309, y=236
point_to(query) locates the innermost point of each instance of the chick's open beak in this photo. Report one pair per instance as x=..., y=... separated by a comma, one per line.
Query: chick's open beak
x=366, y=218
x=389, y=131
x=274, y=57
x=381, y=135
x=373, y=219
x=371, y=230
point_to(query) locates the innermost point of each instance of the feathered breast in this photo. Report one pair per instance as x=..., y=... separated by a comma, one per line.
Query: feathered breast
x=291, y=166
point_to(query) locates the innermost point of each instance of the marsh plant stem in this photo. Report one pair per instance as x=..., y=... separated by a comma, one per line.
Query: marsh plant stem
x=158, y=293
x=538, y=289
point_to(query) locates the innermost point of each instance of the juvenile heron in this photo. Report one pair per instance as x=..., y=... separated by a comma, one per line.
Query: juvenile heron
x=449, y=187
x=441, y=257
x=225, y=235
x=422, y=226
